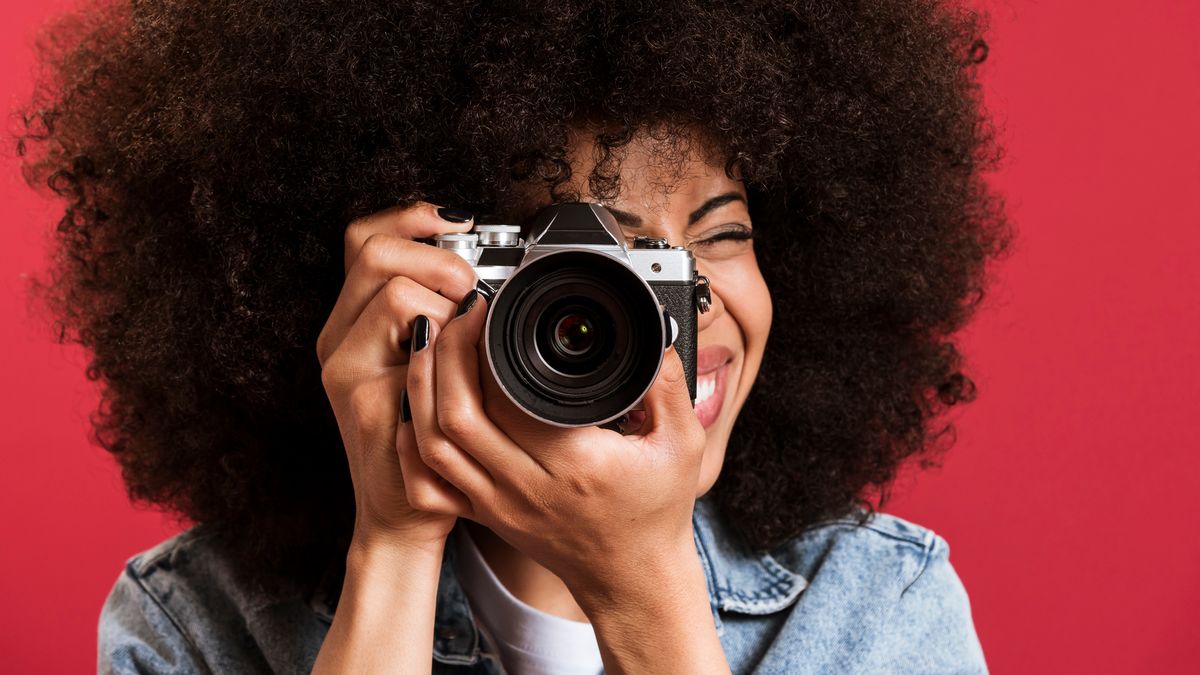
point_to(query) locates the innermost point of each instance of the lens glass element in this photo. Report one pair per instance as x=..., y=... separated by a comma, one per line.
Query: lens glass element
x=570, y=335
x=575, y=335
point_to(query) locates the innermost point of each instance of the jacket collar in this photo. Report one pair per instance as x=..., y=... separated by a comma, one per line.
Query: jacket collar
x=739, y=581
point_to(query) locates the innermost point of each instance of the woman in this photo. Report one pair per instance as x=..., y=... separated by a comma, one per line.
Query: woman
x=244, y=184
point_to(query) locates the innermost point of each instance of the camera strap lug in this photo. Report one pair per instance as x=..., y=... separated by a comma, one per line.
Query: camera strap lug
x=703, y=294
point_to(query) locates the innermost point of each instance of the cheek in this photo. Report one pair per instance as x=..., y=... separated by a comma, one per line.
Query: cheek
x=748, y=301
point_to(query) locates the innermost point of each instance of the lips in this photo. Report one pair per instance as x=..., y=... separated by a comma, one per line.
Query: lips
x=712, y=365
x=710, y=395
x=711, y=358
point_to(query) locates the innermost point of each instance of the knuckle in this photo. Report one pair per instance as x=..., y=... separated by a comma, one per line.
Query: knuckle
x=398, y=292
x=328, y=376
x=421, y=495
x=333, y=376
x=459, y=273
x=580, y=485
x=365, y=404
x=456, y=421
x=323, y=349
x=435, y=454
x=375, y=252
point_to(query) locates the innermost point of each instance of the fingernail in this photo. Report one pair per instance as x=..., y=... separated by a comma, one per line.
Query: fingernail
x=468, y=302
x=405, y=412
x=420, y=338
x=455, y=215
x=485, y=289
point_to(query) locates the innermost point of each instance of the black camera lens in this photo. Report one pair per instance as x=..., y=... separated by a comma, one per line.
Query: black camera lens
x=574, y=334
x=575, y=337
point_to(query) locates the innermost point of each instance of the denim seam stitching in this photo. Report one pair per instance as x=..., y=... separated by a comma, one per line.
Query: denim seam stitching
x=926, y=557
x=780, y=572
x=768, y=593
x=180, y=541
x=853, y=525
x=170, y=617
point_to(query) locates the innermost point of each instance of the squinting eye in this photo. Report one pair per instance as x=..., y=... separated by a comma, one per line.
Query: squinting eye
x=738, y=234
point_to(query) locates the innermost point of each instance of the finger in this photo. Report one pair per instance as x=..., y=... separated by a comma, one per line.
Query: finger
x=670, y=418
x=424, y=489
x=416, y=221
x=438, y=453
x=385, y=257
x=460, y=406
x=377, y=339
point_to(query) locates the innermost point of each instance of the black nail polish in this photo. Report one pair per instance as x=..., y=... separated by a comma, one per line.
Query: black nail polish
x=420, y=337
x=485, y=290
x=455, y=215
x=468, y=302
x=405, y=412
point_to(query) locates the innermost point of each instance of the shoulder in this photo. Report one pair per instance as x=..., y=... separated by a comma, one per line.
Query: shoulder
x=888, y=584
x=183, y=606
x=878, y=544
x=187, y=562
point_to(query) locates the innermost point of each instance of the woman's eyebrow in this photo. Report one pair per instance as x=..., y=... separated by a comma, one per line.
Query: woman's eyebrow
x=633, y=221
x=713, y=204
x=624, y=218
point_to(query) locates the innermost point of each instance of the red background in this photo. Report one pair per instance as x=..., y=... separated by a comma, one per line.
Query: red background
x=1068, y=500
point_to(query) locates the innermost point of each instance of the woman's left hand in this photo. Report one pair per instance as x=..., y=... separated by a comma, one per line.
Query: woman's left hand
x=611, y=515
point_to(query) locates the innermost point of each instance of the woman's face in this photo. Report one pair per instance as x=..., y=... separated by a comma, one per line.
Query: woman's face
x=694, y=204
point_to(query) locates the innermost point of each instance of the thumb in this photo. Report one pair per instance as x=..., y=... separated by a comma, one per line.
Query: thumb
x=670, y=418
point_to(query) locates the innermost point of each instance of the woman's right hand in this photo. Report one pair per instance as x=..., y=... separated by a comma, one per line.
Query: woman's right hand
x=390, y=282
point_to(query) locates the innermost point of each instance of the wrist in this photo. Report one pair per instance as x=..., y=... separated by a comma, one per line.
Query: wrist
x=385, y=615
x=374, y=543
x=661, y=623
x=648, y=581
x=379, y=572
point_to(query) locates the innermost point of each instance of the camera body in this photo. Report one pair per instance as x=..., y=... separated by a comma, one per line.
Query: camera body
x=578, y=322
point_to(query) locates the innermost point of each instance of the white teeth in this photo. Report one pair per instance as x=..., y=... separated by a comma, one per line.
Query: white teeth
x=705, y=386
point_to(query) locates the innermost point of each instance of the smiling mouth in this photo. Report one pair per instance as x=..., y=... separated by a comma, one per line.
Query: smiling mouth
x=712, y=368
x=710, y=395
x=706, y=384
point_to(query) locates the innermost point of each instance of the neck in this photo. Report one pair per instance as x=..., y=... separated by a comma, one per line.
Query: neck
x=528, y=581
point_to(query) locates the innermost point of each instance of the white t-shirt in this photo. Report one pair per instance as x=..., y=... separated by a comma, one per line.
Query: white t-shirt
x=529, y=641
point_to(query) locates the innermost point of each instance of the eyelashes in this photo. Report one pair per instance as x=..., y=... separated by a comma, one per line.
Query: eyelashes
x=734, y=233
x=729, y=233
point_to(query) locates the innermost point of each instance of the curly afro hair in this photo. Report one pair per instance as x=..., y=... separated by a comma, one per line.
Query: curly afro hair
x=210, y=154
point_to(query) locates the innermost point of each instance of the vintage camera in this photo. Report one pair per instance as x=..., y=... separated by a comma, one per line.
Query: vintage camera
x=577, y=322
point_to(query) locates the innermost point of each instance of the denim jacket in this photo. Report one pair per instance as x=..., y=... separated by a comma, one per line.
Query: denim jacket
x=840, y=598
